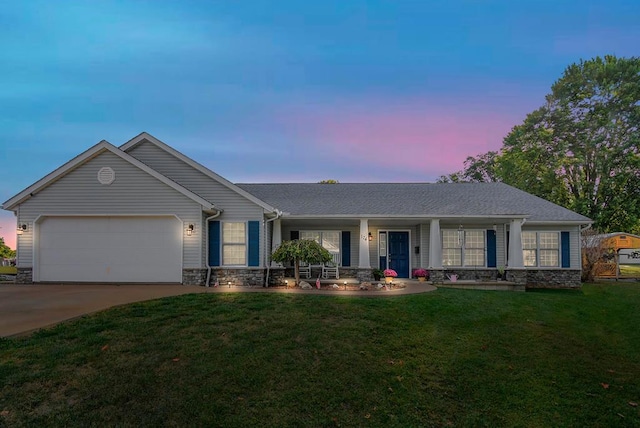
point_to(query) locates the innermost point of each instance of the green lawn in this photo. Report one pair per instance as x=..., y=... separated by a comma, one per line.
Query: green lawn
x=447, y=358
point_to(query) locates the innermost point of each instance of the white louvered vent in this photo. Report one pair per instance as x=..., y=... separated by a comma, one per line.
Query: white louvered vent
x=106, y=175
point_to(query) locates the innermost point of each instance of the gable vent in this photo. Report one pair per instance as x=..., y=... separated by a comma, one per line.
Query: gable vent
x=106, y=175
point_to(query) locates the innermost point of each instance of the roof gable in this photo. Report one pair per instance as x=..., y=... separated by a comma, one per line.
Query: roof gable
x=83, y=158
x=146, y=137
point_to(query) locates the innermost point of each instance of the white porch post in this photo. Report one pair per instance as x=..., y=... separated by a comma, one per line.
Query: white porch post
x=435, y=245
x=276, y=238
x=363, y=260
x=515, y=244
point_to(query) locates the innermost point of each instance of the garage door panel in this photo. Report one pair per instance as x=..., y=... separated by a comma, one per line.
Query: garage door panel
x=110, y=249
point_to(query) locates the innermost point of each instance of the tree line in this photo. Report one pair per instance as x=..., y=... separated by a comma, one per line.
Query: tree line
x=580, y=149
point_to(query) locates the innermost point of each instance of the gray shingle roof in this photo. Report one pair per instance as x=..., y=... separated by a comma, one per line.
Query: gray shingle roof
x=408, y=199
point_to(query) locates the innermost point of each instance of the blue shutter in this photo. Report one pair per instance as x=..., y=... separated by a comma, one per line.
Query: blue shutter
x=565, y=249
x=295, y=234
x=214, y=243
x=491, y=248
x=254, y=243
x=346, y=248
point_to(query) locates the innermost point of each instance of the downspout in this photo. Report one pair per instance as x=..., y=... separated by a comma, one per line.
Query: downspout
x=266, y=259
x=207, y=220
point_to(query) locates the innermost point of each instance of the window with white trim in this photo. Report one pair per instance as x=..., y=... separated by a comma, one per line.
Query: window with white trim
x=329, y=239
x=463, y=247
x=234, y=244
x=541, y=249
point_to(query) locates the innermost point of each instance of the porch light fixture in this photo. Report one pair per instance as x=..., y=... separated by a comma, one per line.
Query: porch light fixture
x=190, y=229
x=370, y=237
x=495, y=227
x=460, y=236
x=21, y=229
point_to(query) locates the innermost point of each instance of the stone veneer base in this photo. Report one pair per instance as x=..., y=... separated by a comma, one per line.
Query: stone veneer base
x=531, y=278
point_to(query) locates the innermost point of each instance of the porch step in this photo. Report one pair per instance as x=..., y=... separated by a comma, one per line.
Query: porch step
x=483, y=285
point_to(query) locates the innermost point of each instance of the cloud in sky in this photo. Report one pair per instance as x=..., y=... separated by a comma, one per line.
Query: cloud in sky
x=290, y=90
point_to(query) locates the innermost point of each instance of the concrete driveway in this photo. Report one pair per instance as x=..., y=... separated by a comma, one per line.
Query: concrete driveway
x=24, y=308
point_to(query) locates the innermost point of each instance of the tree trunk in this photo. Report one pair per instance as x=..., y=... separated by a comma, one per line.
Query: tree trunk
x=296, y=269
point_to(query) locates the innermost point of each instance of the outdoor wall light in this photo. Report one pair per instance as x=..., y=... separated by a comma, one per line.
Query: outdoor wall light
x=370, y=237
x=21, y=229
x=495, y=227
x=190, y=229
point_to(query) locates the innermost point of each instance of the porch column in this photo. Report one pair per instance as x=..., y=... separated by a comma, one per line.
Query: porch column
x=363, y=260
x=276, y=238
x=515, y=244
x=435, y=245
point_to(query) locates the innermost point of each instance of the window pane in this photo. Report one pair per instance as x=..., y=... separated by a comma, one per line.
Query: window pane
x=549, y=240
x=529, y=257
x=529, y=240
x=309, y=234
x=331, y=241
x=450, y=239
x=474, y=257
x=234, y=255
x=451, y=257
x=233, y=233
x=549, y=258
x=474, y=239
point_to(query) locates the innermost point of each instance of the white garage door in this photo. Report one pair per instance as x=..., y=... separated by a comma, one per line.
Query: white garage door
x=110, y=249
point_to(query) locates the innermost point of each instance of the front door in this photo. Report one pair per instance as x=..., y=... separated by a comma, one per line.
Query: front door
x=399, y=253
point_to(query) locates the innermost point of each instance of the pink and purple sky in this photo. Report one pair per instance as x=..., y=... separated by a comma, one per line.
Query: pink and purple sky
x=298, y=91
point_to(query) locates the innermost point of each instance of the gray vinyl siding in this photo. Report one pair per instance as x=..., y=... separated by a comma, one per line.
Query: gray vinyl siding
x=501, y=246
x=268, y=231
x=415, y=242
x=235, y=206
x=425, y=236
x=374, y=253
x=134, y=192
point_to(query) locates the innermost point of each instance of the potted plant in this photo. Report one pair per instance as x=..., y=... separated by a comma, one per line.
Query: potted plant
x=501, y=274
x=421, y=274
x=389, y=274
x=377, y=274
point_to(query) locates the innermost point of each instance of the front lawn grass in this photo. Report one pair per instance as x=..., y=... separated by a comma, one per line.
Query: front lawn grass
x=446, y=358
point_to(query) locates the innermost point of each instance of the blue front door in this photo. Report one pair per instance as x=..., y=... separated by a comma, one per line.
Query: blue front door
x=399, y=253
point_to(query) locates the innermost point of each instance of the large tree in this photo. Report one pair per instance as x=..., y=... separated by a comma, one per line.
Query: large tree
x=5, y=251
x=581, y=149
